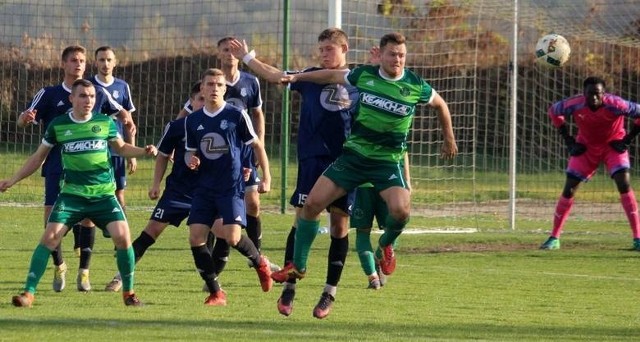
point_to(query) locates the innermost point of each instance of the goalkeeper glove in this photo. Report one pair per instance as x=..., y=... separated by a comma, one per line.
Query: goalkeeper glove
x=621, y=145
x=573, y=147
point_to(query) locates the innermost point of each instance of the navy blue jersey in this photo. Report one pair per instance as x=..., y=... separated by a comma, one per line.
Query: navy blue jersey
x=244, y=93
x=181, y=179
x=50, y=102
x=121, y=93
x=326, y=114
x=217, y=139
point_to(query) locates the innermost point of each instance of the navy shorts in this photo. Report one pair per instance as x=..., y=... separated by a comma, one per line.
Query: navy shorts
x=309, y=170
x=207, y=206
x=173, y=207
x=119, y=171
x=51, y=188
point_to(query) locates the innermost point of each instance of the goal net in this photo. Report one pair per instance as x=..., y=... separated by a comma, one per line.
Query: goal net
x=463, y=48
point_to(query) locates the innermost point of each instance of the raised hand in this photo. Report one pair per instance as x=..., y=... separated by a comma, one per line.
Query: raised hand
x=374, y=55
x=238, y=48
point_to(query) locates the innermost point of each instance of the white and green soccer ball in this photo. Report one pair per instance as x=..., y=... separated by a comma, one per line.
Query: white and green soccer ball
x=552, y=50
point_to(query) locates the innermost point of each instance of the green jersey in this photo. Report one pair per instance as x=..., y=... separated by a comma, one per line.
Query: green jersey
x=385, y=112
x=86, y=161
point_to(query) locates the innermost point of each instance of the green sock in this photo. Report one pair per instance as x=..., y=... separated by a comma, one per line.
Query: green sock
x=125, y=258
x=39, y=261
x=365, y=251
x=305, y=234
x=392, y=230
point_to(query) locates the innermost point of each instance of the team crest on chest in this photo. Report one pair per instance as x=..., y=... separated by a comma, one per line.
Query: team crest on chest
x=243, y=92
x=96, y=129
x=116, y=94
x=335, y=97
x=224, y=124
x=213, y=146
x=404, y=91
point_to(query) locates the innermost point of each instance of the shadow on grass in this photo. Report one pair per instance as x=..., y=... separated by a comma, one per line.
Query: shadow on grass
x=312, y=329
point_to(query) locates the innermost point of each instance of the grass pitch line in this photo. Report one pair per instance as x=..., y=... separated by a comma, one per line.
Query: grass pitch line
x=412, y=231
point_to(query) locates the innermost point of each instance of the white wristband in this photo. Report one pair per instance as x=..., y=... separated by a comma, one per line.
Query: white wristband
x=248, y=57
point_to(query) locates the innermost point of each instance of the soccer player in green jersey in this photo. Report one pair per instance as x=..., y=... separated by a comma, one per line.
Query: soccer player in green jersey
x=88, y=186
x=367, y=206
x=373, y=152
x=48, y=103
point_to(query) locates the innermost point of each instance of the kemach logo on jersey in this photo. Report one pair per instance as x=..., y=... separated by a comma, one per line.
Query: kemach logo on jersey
x=385, y=104
x=87, y=145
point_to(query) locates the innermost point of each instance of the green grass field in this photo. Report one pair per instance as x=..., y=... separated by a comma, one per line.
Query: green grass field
x=493, y=284
x=490, y=285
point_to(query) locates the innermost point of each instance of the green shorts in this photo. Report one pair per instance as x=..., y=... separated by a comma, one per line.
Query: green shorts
x=368, y=205
x=71, y=209
x=350, y=170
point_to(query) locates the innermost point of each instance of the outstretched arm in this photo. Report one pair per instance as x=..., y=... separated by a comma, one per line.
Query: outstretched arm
x=30, y=166
x=130, y=151
x=241, y=51
x=449, y=149
x=326, y=76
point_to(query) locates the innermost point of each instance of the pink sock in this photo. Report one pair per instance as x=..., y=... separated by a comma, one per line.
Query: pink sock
x=630, y=206
x=563, y=208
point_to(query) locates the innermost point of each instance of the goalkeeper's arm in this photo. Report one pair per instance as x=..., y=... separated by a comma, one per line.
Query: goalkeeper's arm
x=575, y=148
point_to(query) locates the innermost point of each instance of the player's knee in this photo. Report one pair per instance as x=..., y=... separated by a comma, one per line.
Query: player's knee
x=197, y=239
x=121, y=242
x=50, y=241
x=252, y=208
x=339, y=232
x=119, y=234
x=233, y=241
x=400, y=214
x=312, y=208
x=621, y=178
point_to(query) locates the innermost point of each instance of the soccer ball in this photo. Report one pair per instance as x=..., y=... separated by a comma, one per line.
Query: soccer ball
x=552, y=50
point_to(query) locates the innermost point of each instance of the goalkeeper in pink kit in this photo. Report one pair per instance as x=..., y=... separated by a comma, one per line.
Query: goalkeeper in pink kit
x=601, y=138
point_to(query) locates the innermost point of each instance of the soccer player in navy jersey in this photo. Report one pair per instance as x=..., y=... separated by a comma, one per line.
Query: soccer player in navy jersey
x=601, y=138
x=49, y=103
x=84, y=237
x=215, y=136
x=174, y=204
x=324, y=122
x=243, y=91
x=105, y=62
